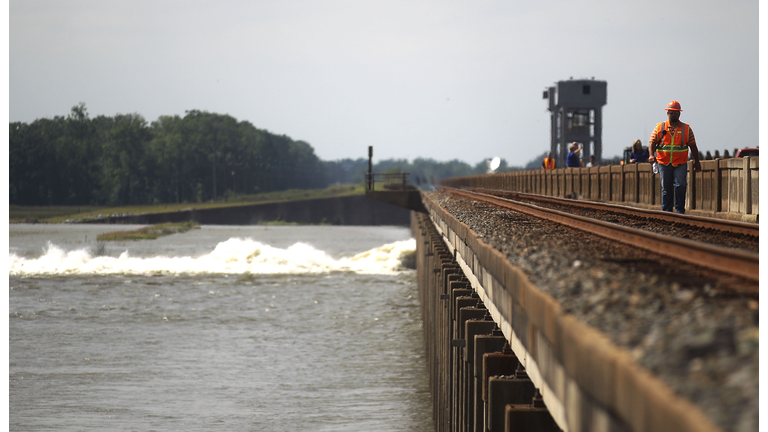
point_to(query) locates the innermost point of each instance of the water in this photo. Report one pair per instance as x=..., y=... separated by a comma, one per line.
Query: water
x=222, y=328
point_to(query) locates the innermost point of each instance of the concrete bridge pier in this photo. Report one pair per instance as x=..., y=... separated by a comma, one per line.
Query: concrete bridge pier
x=475, y=330
x=495, y=364
x=504, y=390
x=528, y=418
x=473, y=327
x=484, y=344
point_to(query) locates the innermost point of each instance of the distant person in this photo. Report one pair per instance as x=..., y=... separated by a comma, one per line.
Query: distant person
x=573, y=161
x=548, y=163
x=670, y=142
x=639, y=154
x=591, y=162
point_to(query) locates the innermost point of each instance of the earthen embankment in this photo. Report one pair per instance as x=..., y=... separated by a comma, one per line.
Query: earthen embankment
x=350, y=210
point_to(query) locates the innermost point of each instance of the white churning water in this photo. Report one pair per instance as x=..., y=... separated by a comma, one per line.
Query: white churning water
x=233, y=256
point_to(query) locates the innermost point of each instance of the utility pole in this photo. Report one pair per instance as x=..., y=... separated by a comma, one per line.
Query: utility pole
x=370, y=167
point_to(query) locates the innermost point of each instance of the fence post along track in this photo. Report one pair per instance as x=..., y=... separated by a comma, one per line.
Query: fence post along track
x=503, y=355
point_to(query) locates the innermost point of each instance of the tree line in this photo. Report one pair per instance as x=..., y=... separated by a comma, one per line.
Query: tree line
x=202, y=156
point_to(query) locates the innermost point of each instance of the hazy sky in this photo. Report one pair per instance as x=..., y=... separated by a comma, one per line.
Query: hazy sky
x=440, y=79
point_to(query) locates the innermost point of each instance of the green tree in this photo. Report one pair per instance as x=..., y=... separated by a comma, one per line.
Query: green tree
x=127, y=167
x=170, y=153
x=33, y=172
x=77, y=159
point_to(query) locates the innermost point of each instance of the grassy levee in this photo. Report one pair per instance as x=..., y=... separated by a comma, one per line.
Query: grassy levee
x=45, y=214
x=149, y=232
x=59, y=214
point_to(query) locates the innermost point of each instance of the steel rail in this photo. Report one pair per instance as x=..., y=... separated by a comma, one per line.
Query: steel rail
x=729, y=261
x=726, y=225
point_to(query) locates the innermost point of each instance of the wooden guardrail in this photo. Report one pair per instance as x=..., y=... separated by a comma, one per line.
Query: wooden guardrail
x=725, y=188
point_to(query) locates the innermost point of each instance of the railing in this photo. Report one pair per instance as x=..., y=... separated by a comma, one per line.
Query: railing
x=723, y=188
x=388, y=181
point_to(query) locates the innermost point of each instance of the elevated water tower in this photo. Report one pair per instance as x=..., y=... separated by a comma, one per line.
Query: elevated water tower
x=576, y=107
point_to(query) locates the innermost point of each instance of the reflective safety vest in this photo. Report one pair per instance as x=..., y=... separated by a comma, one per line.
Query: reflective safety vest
x=549, y=163
x=672, y=147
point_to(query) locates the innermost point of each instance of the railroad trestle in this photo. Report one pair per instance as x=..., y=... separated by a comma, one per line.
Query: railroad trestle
x=503, y=355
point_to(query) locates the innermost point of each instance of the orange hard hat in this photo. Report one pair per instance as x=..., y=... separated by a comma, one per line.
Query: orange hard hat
x=673, y=106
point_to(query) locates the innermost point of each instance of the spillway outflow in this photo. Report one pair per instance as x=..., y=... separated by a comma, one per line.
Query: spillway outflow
x=234, y=256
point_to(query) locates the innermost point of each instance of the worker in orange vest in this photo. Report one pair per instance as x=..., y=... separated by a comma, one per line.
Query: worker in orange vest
x=548, y=162
x=670, y=142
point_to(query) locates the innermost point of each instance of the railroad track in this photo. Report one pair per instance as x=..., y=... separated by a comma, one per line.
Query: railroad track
x=723, y=225
x=727, y=260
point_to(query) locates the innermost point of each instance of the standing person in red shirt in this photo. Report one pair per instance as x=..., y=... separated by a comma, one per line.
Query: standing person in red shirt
x=669, y=146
